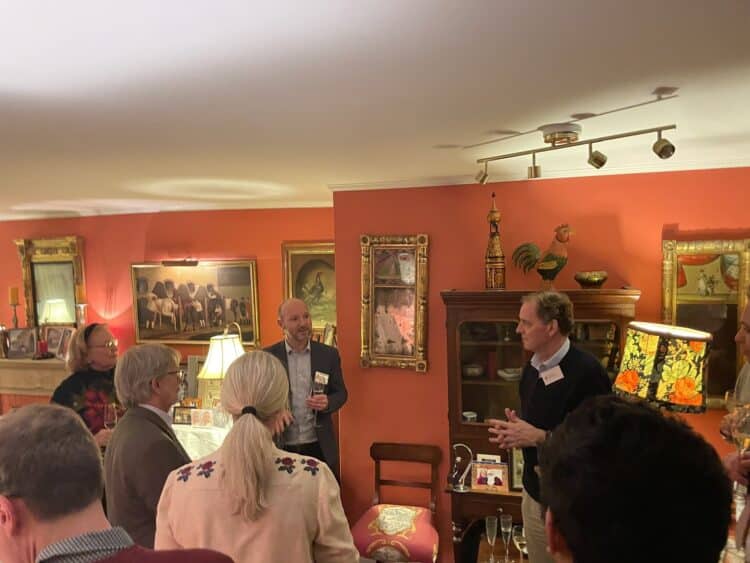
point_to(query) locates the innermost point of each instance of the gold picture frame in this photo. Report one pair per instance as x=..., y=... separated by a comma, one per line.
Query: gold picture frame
x=394, y=301
x=489, y=477
x=190, y=304
x=704, y=286
x=309, y=273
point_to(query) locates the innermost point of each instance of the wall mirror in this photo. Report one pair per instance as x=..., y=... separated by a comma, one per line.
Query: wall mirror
x=705, y=287
x=52, y=279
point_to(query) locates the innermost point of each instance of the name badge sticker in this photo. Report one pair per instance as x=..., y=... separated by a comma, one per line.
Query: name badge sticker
x=552, y=375
x=321, y=378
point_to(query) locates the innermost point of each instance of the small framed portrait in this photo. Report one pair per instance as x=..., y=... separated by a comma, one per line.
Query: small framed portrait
x=181, y=415
x=62, y=348
x=22, y=342
x=53, y=335
x=490, y=477
x=201, y=417
x=516, y=469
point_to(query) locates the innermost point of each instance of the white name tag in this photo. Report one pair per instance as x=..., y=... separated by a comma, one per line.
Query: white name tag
x=552, y=375
x=321, y=378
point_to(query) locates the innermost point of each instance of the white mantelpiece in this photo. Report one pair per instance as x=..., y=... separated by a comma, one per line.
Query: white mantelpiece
x=31, y=377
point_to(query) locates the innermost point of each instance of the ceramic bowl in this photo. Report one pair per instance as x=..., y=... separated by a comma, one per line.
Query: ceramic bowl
x=591, y=280
x=509, y=374
x=469, y=416
x=473, y=370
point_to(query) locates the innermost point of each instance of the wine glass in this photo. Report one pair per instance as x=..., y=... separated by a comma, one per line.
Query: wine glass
x=318, y=388
x=110, y=415
x=506, y=526
x=739, y=430
x=490, y=524
x=519, y=540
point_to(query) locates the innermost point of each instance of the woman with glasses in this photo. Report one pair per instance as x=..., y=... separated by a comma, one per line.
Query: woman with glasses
x=251, y=500
x=92, y=355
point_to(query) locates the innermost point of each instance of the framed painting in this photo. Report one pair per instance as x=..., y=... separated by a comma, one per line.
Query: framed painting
x=22, y=342
x=190, y=304
x=310, y=275
x=394, y=301
x=705, y=287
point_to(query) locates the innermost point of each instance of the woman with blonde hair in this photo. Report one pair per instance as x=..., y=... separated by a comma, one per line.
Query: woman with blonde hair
x=92, y=355
x=250, y=499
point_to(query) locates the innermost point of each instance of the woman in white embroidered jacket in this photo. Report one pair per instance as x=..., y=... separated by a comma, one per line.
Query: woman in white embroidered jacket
x=249, y=499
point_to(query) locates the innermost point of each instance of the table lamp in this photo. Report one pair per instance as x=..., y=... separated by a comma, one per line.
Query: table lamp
x=55, y=311
x=665, y=365
x=223, y=349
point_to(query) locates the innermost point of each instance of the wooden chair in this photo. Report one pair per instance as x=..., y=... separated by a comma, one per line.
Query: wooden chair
x=388, y=532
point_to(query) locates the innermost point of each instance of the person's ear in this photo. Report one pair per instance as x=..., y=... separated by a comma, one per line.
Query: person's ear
x=553, y=327
x=556, y=544
x=9, y=516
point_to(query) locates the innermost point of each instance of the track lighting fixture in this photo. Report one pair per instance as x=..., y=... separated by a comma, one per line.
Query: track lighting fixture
x=482, y=175
x=596, y=159
x=662, y=147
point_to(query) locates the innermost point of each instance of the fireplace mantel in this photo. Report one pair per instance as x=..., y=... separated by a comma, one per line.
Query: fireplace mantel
x=31, y=377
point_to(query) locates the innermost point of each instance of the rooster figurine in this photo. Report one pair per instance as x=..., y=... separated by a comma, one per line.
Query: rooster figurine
x=549, y=264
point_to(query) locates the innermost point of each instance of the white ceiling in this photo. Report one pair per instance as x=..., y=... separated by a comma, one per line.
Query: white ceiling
x=187, y=104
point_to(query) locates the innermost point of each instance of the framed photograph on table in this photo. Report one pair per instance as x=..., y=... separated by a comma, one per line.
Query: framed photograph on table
x=309, y=270
x=490, y=477
x=181, y=415
x=394, y=301
x=190, y=304
x=22, y=342
x=704, y=287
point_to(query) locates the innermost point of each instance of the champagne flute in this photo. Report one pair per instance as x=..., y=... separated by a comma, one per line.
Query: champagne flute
x=110, y=415
x=318, y=388
x=506, y=526
x=519, y=540
x=490, y=524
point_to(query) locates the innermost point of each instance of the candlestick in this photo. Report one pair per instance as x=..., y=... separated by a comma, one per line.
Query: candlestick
x=13, y=295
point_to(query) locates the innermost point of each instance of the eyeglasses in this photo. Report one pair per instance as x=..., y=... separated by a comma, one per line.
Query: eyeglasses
x=180, y=373
x=110, y=344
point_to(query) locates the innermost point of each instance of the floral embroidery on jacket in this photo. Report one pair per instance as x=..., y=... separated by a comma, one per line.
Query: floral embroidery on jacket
x=206, y=468
x=285, y=464
x=311, y=465
x=184, y=473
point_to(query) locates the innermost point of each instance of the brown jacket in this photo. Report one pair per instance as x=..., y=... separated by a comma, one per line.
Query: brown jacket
x=140, y=455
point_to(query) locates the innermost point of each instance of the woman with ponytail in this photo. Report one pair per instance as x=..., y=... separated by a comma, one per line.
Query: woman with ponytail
x=250, y=499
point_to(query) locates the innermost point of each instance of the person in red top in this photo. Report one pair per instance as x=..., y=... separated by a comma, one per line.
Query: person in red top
x=51, y=483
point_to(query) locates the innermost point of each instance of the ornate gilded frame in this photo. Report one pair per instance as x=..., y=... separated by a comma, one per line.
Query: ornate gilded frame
x=394, y=301
x=305, y=264
x=699, y=289
x=47, y=251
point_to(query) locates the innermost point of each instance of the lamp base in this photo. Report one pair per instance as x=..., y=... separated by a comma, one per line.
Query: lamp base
x=209, y=391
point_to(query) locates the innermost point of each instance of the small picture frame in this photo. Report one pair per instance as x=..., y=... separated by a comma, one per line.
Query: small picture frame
x=53, y=335
x=181, y=415
x=201, y=417
x=22, y=343
x=516, y=471
x=62, y=348
x=489, y=477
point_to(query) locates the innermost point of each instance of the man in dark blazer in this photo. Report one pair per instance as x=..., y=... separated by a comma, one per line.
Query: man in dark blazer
x=310, y=429
x=143, y=449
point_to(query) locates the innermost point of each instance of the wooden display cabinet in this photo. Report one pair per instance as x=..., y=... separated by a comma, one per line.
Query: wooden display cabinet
x=481, y=334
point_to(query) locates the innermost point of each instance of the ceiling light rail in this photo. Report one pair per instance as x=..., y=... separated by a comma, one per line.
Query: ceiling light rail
x=663, y=148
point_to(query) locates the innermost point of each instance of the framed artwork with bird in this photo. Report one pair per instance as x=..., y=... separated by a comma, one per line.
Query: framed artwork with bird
x=309, y=273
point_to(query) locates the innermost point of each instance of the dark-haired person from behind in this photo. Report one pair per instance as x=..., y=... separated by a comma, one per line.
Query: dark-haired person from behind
x=624, y=483
x=50, y=485
x=92, y=355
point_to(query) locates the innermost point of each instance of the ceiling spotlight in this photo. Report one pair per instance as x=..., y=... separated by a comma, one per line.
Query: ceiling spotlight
x=662, y=147
x=596, y=159
x=534, y=170
x=482, y=175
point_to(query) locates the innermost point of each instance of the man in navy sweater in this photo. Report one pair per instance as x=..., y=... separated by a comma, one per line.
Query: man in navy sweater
x=554, y=382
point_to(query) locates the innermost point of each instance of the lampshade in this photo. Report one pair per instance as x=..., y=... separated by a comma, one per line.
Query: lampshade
x=223, y=349
x=665, y=365
x=56, y=311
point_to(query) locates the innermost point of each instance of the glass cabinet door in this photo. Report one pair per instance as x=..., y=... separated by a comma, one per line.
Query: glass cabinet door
x=601, y=339
x=491, y=357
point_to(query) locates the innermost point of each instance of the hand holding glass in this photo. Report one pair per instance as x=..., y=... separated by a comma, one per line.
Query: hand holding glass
x=490, y=524
x=318, y=388
x=506, y=526
x=110, y=415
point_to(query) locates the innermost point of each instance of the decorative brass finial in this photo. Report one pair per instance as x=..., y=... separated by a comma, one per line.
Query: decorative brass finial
x=494, y=258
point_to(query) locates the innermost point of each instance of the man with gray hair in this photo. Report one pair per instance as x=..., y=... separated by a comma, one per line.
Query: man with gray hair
x=50, y=496
x=143, y=449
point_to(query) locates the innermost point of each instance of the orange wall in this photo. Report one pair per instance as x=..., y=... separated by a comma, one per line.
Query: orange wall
x=113, y=243
x=618, y=222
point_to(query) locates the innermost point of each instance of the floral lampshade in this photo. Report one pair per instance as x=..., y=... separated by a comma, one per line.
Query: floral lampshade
x=665, y=365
